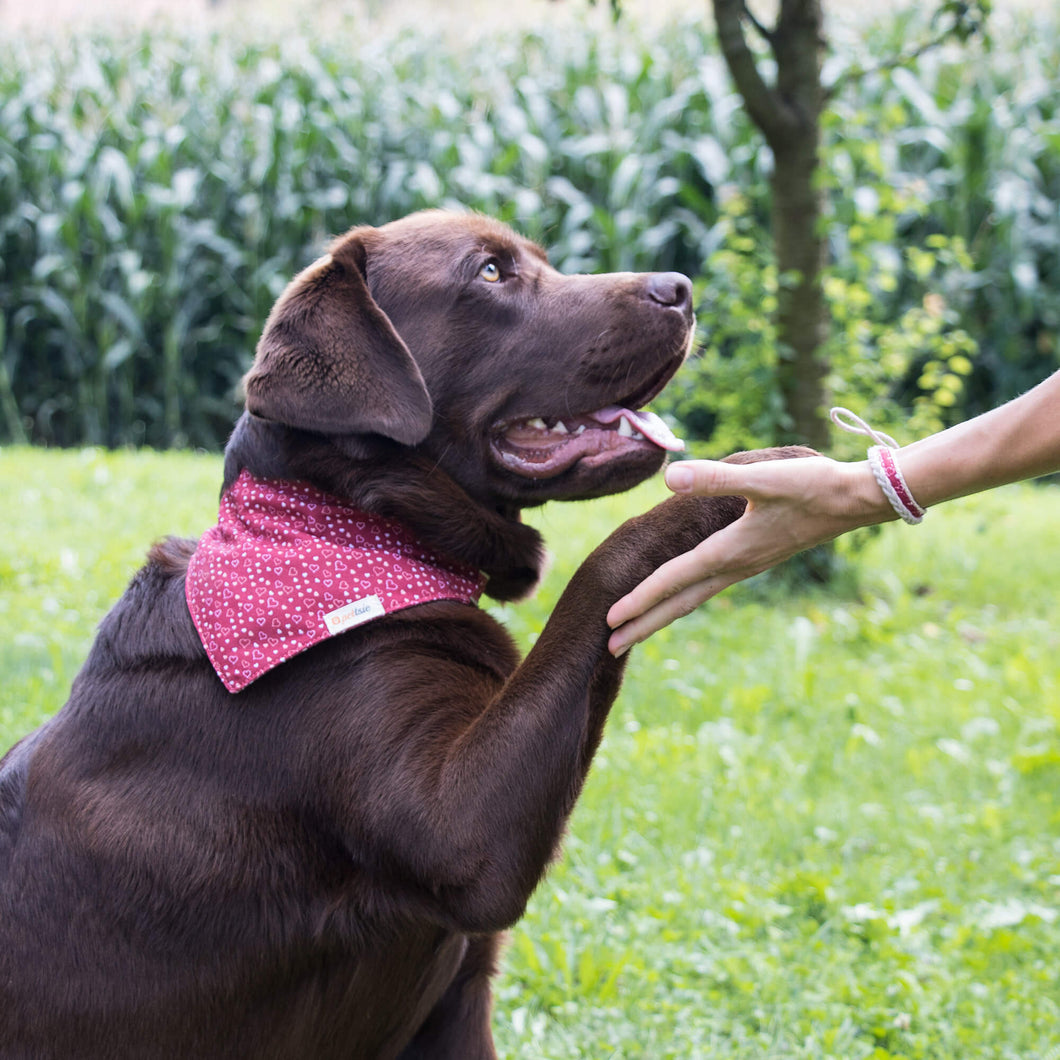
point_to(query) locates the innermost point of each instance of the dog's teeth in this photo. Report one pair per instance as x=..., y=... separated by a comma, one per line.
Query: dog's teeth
x=581, y=429
x=537, y=425
x=560, y=428
x=624, y=429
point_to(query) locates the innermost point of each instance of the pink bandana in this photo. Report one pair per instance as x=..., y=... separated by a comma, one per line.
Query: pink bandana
x=288, y=566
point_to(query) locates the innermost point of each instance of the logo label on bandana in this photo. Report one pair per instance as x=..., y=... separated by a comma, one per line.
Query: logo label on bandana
x=353, y=614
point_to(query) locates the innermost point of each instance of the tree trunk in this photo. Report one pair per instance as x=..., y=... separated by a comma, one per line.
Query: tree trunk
x=789, y=115
x=798, y=208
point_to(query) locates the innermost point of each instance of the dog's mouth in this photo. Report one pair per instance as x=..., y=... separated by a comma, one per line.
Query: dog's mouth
x=543, y=447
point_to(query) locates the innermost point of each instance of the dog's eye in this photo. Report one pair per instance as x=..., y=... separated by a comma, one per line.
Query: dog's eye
x=490, y=272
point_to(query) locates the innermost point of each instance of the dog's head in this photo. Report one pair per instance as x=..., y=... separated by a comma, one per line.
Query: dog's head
x=451, y=334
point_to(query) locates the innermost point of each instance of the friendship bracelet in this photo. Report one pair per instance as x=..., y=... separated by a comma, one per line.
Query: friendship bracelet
x=884, y=466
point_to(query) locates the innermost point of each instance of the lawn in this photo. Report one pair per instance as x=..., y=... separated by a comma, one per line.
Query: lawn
x=820, y=825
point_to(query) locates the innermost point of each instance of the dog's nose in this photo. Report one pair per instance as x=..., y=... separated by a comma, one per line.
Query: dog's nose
x=670, y=289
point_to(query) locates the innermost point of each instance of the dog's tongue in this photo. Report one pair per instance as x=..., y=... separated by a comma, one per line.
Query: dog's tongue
x=650, y=425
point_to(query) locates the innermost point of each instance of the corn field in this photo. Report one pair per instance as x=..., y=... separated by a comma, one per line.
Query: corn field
x=158, y=188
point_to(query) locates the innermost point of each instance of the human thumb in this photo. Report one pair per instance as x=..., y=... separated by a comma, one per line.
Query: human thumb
x=710, y=477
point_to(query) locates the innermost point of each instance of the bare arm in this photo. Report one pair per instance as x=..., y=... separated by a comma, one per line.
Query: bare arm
x=1017, y=441
x=794, y=505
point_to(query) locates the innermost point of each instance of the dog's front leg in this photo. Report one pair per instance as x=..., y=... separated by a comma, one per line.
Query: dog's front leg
x=501, y=790
x=487, y=789
x=529, y=752
x=458, y=1027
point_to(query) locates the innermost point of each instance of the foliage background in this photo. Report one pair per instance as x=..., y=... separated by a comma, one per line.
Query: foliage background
x=159, y=185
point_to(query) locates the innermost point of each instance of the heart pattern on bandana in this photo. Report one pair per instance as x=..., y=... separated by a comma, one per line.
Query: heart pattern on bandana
x=288, y=566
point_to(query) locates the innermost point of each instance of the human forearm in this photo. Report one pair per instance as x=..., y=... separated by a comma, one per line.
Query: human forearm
x=1017, y=441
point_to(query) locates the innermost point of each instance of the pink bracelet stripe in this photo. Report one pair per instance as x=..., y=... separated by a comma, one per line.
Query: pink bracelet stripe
x=909, y=510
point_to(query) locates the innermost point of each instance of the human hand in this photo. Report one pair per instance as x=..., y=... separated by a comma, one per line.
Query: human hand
x=792, y=505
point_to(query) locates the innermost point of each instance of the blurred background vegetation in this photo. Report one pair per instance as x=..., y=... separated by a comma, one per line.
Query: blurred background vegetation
x=161, y=180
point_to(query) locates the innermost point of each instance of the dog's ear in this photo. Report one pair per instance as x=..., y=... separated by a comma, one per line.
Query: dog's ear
x=330, y=361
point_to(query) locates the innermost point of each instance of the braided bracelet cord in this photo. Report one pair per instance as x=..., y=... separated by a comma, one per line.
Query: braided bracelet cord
x=892, y=482
x=884, y=466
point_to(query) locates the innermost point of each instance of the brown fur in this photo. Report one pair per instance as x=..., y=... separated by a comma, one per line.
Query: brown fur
x=319, y=866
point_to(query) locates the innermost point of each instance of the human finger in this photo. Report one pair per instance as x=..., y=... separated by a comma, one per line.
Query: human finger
x=720, y=556
x=667, y=610
x=674, y=576
x=710, y=478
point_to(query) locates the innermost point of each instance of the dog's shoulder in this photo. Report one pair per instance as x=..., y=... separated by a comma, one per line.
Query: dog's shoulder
x=380, y=662
x=462, y=634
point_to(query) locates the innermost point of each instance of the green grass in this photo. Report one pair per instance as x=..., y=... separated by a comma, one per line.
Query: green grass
x=819, y=826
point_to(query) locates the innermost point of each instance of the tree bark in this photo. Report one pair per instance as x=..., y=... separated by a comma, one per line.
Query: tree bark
x=788, y=113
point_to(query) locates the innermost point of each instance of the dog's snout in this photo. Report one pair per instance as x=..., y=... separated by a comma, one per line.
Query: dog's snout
x=670, y=289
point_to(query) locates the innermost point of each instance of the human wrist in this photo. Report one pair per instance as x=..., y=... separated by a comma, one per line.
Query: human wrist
x=885, y=472
x=867, y=503
x=892, y=484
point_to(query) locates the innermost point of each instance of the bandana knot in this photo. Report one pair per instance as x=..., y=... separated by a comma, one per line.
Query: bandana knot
x=288, y=566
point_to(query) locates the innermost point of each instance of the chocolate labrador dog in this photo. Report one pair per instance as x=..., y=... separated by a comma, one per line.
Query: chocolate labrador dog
x=302, y=782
